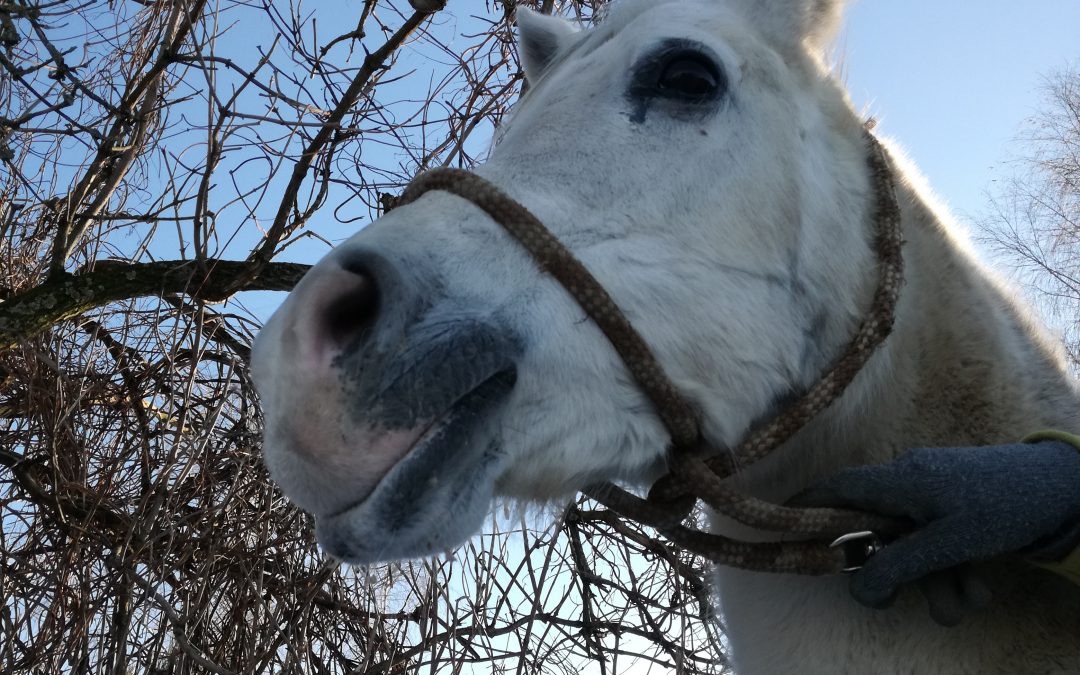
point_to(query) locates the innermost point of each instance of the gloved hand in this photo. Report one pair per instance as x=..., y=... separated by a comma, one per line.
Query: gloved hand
x=965, y=505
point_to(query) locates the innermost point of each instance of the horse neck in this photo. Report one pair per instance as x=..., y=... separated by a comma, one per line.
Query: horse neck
x=966, y=364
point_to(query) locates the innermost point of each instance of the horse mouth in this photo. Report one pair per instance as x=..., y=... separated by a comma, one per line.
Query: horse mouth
x=426, y=463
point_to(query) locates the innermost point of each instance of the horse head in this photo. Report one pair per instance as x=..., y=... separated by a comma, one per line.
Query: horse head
x=698, y=159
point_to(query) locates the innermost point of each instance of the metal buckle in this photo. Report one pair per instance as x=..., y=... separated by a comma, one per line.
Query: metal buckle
x=858, y=547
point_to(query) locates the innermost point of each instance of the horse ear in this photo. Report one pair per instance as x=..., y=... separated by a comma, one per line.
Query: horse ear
x=540, y=37
x=811, y=24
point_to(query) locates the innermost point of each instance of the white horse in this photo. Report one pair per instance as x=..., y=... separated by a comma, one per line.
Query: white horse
x=700, y=159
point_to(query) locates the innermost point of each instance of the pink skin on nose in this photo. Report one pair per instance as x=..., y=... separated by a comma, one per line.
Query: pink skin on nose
x=333, y=305
x=321, y=458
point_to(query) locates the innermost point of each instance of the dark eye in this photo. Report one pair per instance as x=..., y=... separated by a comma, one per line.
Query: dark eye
x=690, y=76
x=684, y=72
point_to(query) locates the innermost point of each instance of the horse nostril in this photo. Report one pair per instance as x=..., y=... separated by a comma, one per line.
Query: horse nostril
x=340, y=305
x=354, y=304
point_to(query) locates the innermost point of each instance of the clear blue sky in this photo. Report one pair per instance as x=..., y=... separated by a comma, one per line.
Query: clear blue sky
x=954, y=80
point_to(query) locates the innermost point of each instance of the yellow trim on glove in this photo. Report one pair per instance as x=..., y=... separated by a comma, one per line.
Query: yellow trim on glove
x=1053, y=435
x=1069, y=567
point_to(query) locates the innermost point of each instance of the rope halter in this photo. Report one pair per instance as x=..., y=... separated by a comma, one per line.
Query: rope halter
x=837, y=540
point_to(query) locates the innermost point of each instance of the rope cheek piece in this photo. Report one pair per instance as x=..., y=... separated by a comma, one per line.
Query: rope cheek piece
x=836, y=540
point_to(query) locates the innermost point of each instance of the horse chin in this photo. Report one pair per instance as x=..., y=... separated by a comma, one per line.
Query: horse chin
x=436, y=497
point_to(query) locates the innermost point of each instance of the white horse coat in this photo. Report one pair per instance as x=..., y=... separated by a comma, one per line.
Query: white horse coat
x=699, y=159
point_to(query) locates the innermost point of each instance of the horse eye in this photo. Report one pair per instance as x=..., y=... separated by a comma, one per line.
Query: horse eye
x=691, y=76
x=683, y=76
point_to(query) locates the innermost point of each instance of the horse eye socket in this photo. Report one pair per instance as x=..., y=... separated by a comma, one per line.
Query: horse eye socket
x=690, y=76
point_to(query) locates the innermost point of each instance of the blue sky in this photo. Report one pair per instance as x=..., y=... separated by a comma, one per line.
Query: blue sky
x=953, y=81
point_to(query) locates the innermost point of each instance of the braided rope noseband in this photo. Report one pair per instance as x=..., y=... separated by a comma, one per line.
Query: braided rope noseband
x=696, y=472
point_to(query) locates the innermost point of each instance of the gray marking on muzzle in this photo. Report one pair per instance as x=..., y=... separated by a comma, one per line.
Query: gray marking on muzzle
x=438, y=460
x=441, y=480
x=419, y=378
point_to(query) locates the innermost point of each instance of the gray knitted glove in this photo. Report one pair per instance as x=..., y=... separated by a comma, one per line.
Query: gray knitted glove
x=965, y=505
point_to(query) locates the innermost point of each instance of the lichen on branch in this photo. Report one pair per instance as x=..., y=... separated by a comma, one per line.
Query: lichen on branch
x=65, y=297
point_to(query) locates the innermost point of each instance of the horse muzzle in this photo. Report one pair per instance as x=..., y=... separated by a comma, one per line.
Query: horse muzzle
x=376, y=391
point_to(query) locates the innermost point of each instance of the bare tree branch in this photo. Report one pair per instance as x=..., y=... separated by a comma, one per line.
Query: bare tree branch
x=160, y=159
x=58, y=299
x=1034, y=221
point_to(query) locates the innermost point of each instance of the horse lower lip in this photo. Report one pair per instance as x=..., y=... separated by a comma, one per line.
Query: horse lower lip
x=450, y=428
